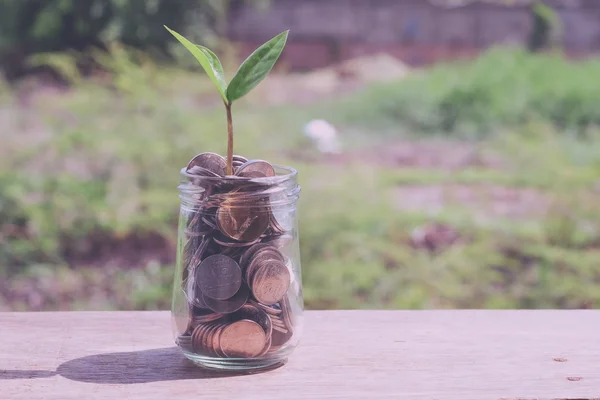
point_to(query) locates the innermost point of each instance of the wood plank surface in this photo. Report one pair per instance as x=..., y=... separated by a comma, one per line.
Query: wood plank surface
x=343, y=355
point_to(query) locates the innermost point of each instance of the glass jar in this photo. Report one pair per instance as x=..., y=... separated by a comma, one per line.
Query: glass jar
x=237, y=293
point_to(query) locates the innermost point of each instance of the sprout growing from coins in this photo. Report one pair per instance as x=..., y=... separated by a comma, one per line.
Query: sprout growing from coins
x=237, y=288
x=252, y=71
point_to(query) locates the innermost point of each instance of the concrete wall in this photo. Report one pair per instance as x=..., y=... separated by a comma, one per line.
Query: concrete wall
x=416, y=31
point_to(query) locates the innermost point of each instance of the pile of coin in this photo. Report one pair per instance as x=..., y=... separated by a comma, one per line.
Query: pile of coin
x=236, y=279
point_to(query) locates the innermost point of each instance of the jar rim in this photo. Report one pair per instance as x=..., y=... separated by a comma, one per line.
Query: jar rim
x=289, y=174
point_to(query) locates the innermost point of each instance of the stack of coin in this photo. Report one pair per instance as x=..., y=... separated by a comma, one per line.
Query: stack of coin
x=236, y=279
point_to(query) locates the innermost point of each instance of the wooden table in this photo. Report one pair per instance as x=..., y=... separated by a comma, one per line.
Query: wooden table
x=343, y=355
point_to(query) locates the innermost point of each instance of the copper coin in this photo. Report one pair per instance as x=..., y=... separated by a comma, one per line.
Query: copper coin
x=197, y=338
x=253, y=313
x=244, y=223
x=268, y=253
x=259, y=258
x=239, y=158
x=250, y=271
x=243, y=339
x=216, y=343
x=248, y=254
x=219, y=277
x=207, y=340
x=228, y=243
x=279, y=339
x=200, y=171
x=256, y=169
x=210, y=161
x=272, y=310
x=270, y=282
x=277, y=321
x=266, y=348
x=230, y=305
x=280, y=329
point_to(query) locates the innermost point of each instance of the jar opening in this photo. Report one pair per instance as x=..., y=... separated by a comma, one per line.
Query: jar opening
x=282, y=174
x=281, y=190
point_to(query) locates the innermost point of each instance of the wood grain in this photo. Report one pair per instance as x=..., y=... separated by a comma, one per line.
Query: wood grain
x=343, y=355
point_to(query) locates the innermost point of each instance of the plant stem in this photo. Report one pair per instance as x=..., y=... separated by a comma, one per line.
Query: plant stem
x=229, y=170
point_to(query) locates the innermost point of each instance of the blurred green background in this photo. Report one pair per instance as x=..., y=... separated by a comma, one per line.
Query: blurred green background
x=472, y=183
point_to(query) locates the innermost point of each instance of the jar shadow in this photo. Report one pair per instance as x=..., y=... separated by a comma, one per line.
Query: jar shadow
x=142, y=366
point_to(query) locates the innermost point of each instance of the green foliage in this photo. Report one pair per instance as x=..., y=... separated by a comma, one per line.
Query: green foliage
x=29, y=27
x=209, y=61
x=96, y=168
x=256, y=67
x=252, y=71
x=502, y=88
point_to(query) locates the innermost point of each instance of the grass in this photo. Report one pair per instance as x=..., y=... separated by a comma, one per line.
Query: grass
x=88, y=207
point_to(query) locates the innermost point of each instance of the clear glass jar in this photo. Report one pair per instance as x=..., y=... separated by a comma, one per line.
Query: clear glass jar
x=237, y=293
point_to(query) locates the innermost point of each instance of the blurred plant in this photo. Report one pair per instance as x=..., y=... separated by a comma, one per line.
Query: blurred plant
x=546, y=27
x=42, y=26
x=504, y=87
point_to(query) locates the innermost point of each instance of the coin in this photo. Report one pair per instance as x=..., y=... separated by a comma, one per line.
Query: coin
x=270, y=282
x=253, y=313
x=197, y=338
x=230, y=305
x=210, y=161
x=207, y=340
x=272, y=310
x=244, y=338
x=279, y=329
x=200, y=171
x=219, y=277
x=216, y=344
x=229, y=243
x=239, y=158
x=244, y=223
x=266, y=348
x=256, y=169
x=279, y=339
x=248, y=254
x=278, y=323
x=259, y=258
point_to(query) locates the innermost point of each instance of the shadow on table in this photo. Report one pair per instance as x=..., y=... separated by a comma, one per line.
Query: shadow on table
x=142, y=366
x=25, y=374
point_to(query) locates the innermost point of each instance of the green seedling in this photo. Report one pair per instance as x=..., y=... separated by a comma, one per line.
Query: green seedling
x=252, y=71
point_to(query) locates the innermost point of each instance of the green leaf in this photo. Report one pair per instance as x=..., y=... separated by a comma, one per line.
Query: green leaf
x=209, y=61
x=256, y=67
